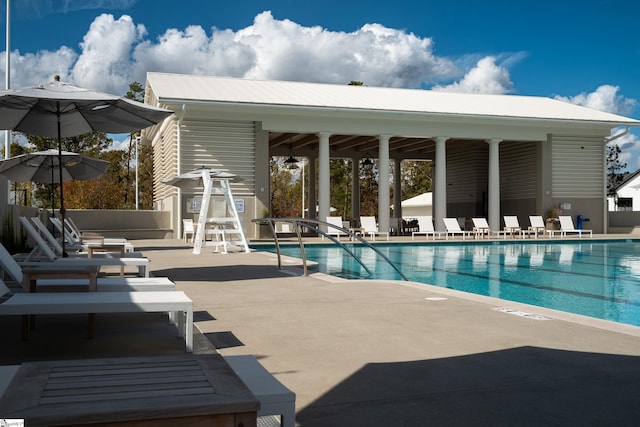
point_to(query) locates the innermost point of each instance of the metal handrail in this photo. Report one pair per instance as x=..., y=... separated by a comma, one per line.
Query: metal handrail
x=308, y=223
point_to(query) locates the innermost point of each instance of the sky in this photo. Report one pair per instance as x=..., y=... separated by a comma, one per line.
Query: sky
x=584, y=52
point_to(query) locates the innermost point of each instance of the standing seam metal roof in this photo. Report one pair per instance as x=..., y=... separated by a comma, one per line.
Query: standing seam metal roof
x=181, y=88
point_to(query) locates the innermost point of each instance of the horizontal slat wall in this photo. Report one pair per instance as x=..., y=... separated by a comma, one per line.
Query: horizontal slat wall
x=220, y=145
x=518, y=166
x=165, y=161
x=467, y=175
x=578, y=166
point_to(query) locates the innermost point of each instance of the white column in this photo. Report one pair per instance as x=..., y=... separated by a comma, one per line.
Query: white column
x=311, y=181
x=397, y=193
x=383, y=183
x=324, y=176
x=494, y=184
x=440, y=183
x=355, y=188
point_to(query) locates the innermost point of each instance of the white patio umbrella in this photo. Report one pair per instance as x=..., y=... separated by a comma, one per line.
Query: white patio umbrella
x=58, y=109
x=193, y=179
x=43, y=166
x=40, y=166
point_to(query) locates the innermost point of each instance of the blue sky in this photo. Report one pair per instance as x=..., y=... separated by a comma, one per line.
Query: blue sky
x=585, y=52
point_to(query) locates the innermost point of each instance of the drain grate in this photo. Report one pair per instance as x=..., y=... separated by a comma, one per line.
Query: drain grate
x=521, y=313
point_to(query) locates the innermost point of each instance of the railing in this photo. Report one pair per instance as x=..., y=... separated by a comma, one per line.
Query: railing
x=313, y=226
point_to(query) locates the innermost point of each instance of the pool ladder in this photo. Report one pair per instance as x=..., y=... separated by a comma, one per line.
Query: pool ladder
x=313, y=225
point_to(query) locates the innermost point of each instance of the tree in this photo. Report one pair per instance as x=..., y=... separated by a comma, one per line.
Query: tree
x=285, y=190
x=368, y=190
x=340, y=178
x=115, y=189
x=135, y=93
x=21, y=190
x=145, y=176
x=104, y=192
x=615, y=168
x=90, y=144
x=416, y=178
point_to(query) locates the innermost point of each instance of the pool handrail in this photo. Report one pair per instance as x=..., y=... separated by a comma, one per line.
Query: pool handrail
x=313, y=225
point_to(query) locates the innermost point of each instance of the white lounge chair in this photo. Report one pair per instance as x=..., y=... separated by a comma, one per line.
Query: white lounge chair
x=26, y=304
x=453, y=228
x=275, y=398
x=50, y=258
x=566, y=226
x=512, y=227
x=335, y=227
x=425, y=226
x=80, y=245
x=370, y=228
x=481, y=228
x=188, y=228
x=104, y=284
x=537, y=225
x=74, y=235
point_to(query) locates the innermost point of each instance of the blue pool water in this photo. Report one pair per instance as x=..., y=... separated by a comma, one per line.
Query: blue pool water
x=596, y=278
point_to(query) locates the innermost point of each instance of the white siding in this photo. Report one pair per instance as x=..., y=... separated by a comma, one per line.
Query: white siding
x=578, y=166
x=220, y=145
x=165, y=162
x=517, y=170
x=467, y=174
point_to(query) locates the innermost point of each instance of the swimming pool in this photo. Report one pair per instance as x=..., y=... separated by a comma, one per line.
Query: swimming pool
x=596, y=278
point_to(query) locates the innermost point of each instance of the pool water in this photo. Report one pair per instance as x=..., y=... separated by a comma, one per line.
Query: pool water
x=596, y=278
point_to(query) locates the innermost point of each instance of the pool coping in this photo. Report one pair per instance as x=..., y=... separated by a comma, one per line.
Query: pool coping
x=580, y=319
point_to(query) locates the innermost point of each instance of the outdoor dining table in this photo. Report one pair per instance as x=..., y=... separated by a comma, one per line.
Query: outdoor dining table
x=136, y=391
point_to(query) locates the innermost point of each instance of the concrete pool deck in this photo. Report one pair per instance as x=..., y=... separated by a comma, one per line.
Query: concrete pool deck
x=373, y=353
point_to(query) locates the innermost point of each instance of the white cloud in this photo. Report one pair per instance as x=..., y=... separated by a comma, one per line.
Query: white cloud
x=284, y=50
x=35, y=68
x=630, y=149
x=105, y=61
x=120, y=142
x=605, y=98
x=485, y=77
x=114, y=53
x=176, y=51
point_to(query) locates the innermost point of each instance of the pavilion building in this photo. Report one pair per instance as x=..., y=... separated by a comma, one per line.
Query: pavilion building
x=492, y=155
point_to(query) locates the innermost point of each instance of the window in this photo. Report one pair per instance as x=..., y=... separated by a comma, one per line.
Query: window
x=625, y=204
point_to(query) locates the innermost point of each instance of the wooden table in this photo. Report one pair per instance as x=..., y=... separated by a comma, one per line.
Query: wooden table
x=102, y=248
x=356, y=231
x=30, y=275
x=194, y=390
x=482, y=232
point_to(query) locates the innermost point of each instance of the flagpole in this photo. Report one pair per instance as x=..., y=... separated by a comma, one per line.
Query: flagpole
x=7, y=84
x=7, y=75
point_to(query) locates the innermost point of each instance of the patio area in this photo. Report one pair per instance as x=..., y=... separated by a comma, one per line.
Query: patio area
x=370, y=353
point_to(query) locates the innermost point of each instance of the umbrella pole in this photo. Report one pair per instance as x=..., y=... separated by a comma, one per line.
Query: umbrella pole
x=53, y=193
x=62, y=211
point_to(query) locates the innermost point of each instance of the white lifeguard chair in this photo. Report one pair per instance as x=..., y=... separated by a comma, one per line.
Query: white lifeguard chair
x=226, y=229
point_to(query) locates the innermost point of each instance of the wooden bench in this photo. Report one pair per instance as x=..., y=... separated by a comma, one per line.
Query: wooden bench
x=158, y=391
x=274, y=398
